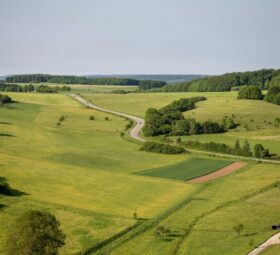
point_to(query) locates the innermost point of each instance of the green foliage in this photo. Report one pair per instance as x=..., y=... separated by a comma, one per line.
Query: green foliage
x=5, y=188
x=228, y=123
x=162, y=231
x=225, y=82
x=250, y=92
x=164, y=121
x=150, y=84
x=91, y=117
x=16, y=88
x=161, y=148
x=45, y=89
x=4, y=99
x=210, y=127
x=260, y=151
x=35, y=233
x=273, y=95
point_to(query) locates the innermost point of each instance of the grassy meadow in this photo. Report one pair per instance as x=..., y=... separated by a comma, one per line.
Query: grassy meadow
x=255, y=118
x=83, y=171
x=77, y=170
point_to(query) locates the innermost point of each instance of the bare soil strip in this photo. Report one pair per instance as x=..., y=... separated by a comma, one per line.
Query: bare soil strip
x=219, y=173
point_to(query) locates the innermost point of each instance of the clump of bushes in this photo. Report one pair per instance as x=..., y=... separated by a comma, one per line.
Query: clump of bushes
x=129, y=125
x=250, y=92
x=162, y=148
x=4, y=99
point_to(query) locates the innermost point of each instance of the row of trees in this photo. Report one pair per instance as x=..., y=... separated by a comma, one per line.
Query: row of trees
x=50, y=89
x=150, y=84
x=225, y=82
x=245, y=150
x=161, y=148
x=4, y=87
x=5, y=99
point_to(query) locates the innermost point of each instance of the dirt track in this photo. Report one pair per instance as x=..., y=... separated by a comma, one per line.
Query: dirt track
x=134, y=132
x=271, y=241
x=219, y=173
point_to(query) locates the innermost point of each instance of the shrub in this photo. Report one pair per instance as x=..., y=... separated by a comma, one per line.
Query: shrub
x=91, y=117
x=5, y=188
x=162, y=148
x=4, y=99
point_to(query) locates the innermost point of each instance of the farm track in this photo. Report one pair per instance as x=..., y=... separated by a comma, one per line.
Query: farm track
x=136, y=130
x=275, y=239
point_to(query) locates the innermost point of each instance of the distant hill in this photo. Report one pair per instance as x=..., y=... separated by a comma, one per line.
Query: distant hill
x=225, y=82
x=168, y=78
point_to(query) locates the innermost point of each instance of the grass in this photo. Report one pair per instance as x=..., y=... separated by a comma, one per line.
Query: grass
x=205, y=225
x=255, y=117
x=188, y=169
x=272, y=250
x=78, y=171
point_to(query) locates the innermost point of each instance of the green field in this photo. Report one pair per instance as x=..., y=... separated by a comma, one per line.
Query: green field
x=272, y=250
x=255, y=118
x=188, y=169
x=82, y=171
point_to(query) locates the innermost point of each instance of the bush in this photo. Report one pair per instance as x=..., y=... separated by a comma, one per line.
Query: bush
x=91, y=117
x=5, y=188
x=162, y=148
x=250, y=92
x=4, y=99
x=35, y=233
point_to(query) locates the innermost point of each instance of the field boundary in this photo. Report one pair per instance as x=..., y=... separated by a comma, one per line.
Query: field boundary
x=219, y=207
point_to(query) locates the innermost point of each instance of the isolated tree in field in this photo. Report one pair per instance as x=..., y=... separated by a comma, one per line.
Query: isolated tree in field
x=238, y=228
x=35, y=233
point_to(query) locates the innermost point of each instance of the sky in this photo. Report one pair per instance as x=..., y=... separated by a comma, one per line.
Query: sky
x=138, y=36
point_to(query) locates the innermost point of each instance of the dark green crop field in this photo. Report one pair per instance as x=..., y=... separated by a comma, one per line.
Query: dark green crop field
x=187, y=169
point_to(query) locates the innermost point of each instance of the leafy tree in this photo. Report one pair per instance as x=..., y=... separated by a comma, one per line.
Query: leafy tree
x=210, y=127
x=250, y=92
x=178, y=140
x=35, y=233
x=246, y=150
x=237, y=148
x=228, y=123
x=91, y=117
x=4, y=99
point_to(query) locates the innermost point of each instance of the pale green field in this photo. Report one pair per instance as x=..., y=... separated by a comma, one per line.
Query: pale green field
x=78, y=171
x=81, y=171
x=257, y=115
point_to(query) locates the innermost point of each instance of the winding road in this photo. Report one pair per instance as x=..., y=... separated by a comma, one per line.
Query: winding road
x=134, y=132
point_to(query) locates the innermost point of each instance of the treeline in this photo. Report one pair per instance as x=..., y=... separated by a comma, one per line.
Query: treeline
x=161, y=148
x=226, y=82
x=245, y=150
x=4, y=87
x=4, y=99
x=273, y=95
x=51, y=89
x=65, y=79
x=169, y=120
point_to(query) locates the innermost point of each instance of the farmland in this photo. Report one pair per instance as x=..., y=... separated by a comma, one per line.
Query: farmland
x=189, y=169
x=83, y=171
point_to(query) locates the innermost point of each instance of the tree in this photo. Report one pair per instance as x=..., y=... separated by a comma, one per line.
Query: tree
x=35, y=233
x=246, y=150
x=135, y=216
x=238, y=228
x=258, y=150
x=237, y=148
x=178, y=140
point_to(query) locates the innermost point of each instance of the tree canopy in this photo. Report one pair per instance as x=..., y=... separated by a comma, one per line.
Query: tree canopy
x=250, y=92
x=35, y=233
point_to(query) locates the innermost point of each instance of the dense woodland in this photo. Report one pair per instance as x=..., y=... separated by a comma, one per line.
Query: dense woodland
x=250, y=92
x=262, y=79
x=64, y=79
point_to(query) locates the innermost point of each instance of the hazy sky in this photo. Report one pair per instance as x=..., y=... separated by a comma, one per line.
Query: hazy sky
x=138, y=36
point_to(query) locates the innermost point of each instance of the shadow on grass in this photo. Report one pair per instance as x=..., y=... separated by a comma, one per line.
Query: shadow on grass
x=6, y=135
x=5, y=123
x=6, y=190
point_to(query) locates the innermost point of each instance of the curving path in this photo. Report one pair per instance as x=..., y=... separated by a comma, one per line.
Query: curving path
x=134, y=132
x=271, y=241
